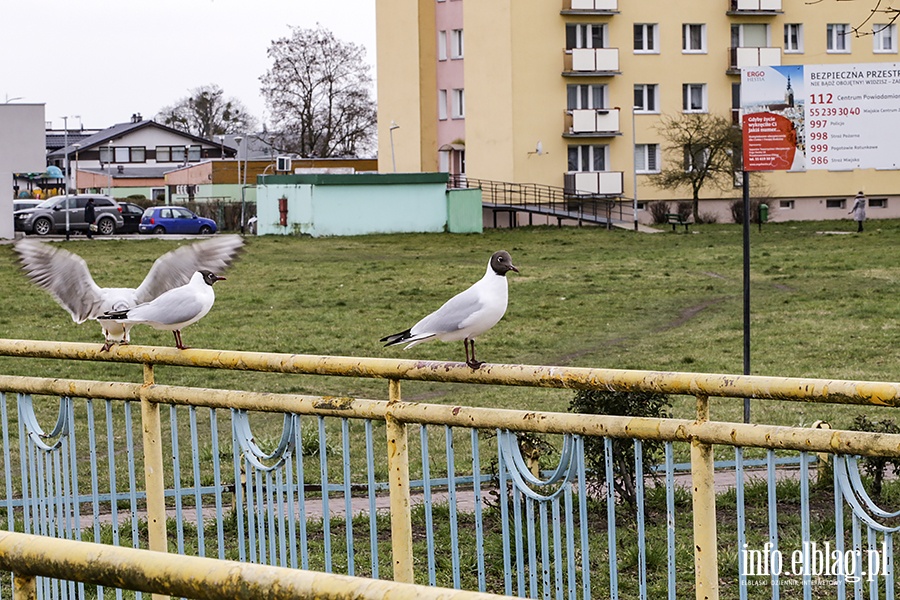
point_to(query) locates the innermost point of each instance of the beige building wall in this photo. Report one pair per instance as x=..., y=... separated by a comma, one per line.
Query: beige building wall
x=23, y=148
x=516, y=92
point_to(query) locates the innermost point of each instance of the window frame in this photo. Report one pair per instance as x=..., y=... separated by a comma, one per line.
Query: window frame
x=686, y=94
x=796, y=28
x=457, y=44
x=442, y=105
x=442, y=45
x=650, y=153
x=833, y=35
x=648, y=91
x=649, y=33
x=582, y=35
x=686, y=38
x=458, y=103
x=835, y=203
x=585, y=96
x=589, y=154
x=879, y=37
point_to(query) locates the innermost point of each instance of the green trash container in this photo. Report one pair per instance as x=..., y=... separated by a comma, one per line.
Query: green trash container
x=763, y=213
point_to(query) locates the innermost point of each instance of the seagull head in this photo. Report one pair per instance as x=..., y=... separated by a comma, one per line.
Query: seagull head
x=209, y=277
x=501, y=263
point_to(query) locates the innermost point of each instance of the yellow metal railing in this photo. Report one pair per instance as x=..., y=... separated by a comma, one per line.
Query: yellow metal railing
x=701, y=433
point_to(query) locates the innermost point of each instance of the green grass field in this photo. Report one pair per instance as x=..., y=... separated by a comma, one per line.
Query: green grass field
x=822, y=306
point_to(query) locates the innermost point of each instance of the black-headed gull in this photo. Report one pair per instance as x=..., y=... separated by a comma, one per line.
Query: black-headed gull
x=67, y=278
x=173, y=310
x=466, y=315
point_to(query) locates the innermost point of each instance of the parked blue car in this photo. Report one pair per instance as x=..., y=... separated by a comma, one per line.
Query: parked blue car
x=174, y=219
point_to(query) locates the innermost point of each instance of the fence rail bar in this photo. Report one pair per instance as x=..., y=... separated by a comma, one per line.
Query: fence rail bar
x=646, y=428
x=694, y=384
x=195, y=577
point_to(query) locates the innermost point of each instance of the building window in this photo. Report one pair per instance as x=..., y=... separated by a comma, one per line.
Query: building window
x=793, y=37
x=178, y=154
x=838, y=37
x=456, y=43
x=786, y=204
x=695, y=157
x=693, y=37
x=835, y=203
x=884, y=38
x=585, y=36
x=122, y=154
x=459, y=104
x=442, y=45
x=694, y=97
x=158, y=194
x=587, y=158
x=442, y=105
x=585, y=96
x=646, y=98
x=878, y=203
x=646, y=158
x=645, y=38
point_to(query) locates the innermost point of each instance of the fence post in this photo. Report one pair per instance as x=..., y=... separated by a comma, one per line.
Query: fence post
x=24, y=587
x=153, y=469
x=706, y=561
x=398, y=469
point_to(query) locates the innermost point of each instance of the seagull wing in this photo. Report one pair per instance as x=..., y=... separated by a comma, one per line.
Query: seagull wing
x=169, y=309
x=64, y=275
x=453, y=315
x=174, y=269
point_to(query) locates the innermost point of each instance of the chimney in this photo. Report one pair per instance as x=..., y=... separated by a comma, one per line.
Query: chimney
x=136, y=118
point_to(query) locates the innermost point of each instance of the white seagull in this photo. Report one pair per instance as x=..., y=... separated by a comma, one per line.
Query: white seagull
x=67, y=278
x=173, y=310
x=467, y=314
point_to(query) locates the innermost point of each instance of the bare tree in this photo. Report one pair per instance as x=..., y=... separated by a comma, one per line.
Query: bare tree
x=318, y=91
x=207, y=113
x=702, y=149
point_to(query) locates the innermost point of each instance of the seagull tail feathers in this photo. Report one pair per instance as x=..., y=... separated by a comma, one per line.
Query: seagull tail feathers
x=397, y=338
x=114, y=314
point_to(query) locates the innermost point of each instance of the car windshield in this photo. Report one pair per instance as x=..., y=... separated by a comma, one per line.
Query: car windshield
x=49, y=202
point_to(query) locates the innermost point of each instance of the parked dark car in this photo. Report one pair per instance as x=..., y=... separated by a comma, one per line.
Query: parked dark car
x=131, y=214
x=50, y=215
x=174, y=219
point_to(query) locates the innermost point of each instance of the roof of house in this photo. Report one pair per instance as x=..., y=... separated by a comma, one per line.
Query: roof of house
x=118, y=130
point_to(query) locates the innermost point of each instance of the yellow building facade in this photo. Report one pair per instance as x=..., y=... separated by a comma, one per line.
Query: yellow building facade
x=538, y=91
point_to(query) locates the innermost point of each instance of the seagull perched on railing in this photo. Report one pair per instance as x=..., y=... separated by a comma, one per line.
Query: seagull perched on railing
x=173, y=310
x=467, y=314
x=66, y=277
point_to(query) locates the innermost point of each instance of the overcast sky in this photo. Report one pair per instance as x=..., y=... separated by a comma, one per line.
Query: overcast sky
x=104, y=60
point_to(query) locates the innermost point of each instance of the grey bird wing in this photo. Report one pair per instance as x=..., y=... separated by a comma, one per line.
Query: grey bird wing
x=64, y=275
x=453, y=315
x=174, y=269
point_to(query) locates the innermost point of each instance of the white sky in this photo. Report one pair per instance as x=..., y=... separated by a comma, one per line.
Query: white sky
x=104, y=60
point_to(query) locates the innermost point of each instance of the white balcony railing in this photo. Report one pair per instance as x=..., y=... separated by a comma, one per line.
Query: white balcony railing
x=591, y=5
x=754, y=5
x=592, y=120
x=601, y=182
x=592, y=60
x=755, y=57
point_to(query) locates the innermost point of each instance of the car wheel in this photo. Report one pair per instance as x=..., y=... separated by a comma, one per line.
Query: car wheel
x=159, y=229
x=106, y=226
x=42, y=226
x=205, y=230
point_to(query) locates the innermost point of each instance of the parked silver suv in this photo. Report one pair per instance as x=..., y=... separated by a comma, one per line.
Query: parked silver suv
x=50, y=215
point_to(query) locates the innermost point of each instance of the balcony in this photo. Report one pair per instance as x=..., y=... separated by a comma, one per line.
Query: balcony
x=753, y=7
x=590, y=7
x=591, y=62
x=600, y=183
x=752, y=57
x=591, y=122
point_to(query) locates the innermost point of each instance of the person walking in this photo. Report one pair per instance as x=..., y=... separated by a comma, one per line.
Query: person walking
x=859, y=211
x=90, y=215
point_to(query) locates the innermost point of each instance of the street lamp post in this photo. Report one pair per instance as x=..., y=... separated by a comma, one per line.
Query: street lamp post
x=66, y=159
x=634, y=155
x=238, y=139
x=393, y=158
x=76, y=146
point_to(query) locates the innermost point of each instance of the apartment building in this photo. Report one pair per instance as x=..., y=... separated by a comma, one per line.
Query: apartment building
x=570, y=93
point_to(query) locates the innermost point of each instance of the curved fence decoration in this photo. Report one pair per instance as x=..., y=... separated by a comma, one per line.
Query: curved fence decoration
x=33, y=428
x=846, y=472
x=251, y=451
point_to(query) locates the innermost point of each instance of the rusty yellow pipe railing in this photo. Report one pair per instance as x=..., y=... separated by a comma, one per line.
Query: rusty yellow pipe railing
x=694, y=384
x=678, y=430
x=29, y=556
